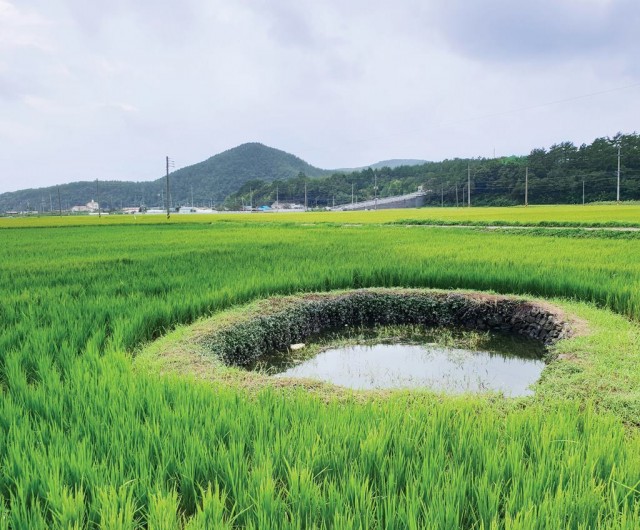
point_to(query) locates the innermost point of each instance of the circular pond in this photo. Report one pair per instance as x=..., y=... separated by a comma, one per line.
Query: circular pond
x=262, y=337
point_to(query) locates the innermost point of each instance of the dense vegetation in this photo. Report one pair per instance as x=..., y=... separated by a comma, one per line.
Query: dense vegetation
x=87, y=441
x=281, y=321
x=556, y=176
x=209, y=182
x=253, y=174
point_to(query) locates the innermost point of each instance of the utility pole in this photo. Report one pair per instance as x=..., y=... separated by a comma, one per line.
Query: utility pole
x=168, y=192
x=278, y=196
x=582, y=192
x=442, y=196
x=618, y=188
x=526, y=186
x=352, y=194
x=456, y=194
x=59, y=201
x=375, y=190
x=469, y=185
x=98, y=197
x=334, y=201
x=191, y=196
x=305, y=196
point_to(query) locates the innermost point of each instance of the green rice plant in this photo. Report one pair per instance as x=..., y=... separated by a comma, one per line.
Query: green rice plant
x=212, y=512
x=88, y=441
x=117, y=509
x=163, y=511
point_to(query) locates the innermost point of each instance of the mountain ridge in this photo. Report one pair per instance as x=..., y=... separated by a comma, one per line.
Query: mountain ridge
x=207, y=182
x=391, y=163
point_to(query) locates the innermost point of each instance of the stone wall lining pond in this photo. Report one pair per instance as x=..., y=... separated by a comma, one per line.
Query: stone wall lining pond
x=279, y=322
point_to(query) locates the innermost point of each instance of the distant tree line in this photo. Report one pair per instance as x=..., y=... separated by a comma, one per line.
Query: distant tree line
x=252, y=175
x=559, y=174
x=206, y=183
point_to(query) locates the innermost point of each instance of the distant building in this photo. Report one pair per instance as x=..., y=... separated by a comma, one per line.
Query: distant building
x=194, y=209
x=91, y=206
x=287, y=206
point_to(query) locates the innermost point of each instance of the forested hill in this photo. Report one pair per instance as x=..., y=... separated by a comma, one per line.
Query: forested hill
x=396, y=162
x=255, y=174
x=393, y=163
x=210, y=181
x=556, y=175
x=225, y=173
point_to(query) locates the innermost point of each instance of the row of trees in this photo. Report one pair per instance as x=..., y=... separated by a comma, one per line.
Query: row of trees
x=263, y=175
x=559, y=174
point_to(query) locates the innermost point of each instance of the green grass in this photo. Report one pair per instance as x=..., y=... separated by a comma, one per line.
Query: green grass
x=87, y=441
x=600, y=366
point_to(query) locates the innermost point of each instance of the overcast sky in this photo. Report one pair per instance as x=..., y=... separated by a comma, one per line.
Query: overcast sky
x=106, y=88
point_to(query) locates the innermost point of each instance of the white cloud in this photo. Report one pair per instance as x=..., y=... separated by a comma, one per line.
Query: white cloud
x=545, y=31
x=340, y=84
x=20, y=28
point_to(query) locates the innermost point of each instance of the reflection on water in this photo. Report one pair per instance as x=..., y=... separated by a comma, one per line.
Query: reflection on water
x=448, y=369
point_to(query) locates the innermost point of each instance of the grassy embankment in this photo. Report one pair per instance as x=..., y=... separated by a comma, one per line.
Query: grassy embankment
x=87, y=440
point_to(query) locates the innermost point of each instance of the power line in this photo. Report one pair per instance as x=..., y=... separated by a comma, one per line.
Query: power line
x=445, y=123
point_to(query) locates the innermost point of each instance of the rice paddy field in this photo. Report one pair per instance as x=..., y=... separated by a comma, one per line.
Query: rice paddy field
x=593, y=215
x=96, y=431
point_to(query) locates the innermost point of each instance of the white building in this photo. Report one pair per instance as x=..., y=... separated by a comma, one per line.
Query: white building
x=91, y=206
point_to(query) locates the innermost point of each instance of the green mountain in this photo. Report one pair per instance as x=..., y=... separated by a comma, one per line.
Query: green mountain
x=227, y=172
x=397, y=162
x=255, y=174
x=562, y=174
x=207, y=182
x=392, y=164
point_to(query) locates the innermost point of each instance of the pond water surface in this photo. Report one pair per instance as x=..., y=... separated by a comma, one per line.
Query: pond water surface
x=509, y=367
